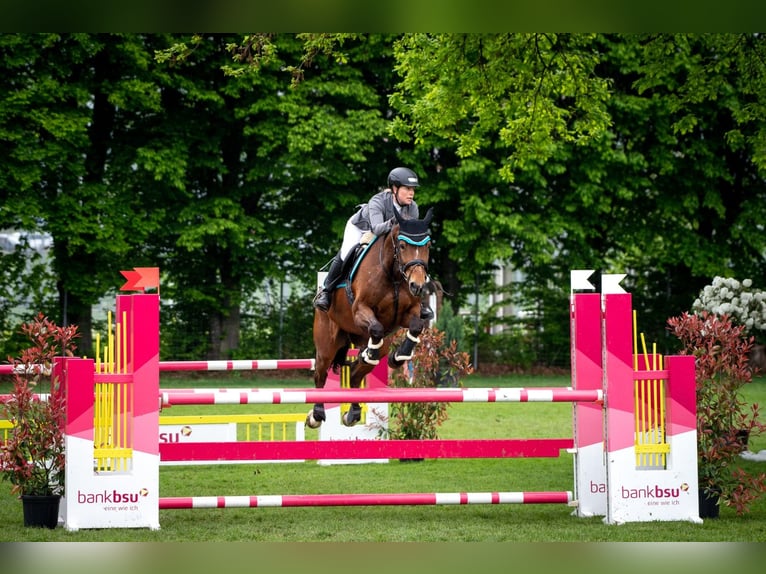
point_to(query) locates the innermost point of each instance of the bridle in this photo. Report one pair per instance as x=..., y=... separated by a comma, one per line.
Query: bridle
x=404, y=270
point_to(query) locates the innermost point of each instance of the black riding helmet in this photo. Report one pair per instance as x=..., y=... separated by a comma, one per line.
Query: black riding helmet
x=402, y=176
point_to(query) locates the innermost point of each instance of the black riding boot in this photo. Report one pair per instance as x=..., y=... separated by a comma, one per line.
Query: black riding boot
x=324, y=297
x=426, y=313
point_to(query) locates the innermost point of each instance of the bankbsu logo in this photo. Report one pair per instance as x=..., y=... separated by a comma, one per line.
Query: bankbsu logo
x=110, y=497
x=653, y=492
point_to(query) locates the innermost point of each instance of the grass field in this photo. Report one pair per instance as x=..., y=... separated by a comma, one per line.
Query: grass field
x=472, y=523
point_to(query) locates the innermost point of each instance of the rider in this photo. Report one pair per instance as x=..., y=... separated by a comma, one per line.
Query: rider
x=375, y=217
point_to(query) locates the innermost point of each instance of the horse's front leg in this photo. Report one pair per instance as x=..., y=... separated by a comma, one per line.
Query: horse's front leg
x=404, y=351
x=369, y=356
x=365, y=319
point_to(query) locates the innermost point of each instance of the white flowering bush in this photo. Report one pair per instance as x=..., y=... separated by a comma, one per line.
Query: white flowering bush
x=738, y=300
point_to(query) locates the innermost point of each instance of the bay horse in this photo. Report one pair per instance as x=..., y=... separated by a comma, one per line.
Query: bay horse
x=381, y=294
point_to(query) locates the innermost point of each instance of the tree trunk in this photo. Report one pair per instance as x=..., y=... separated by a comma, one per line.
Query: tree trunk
x=224, y=334
x=224, y=325
x=758, y=358
x=76, y=312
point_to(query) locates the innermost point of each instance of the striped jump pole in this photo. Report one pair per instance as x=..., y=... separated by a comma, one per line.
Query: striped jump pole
x=210, y=366
x=389, y=395
x=382, y=499
x=24, y=370
x=240, y=365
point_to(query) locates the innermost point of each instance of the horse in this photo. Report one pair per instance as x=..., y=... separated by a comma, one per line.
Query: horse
x=370, y=306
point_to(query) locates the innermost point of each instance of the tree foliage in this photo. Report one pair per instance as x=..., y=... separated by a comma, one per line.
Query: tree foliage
x=230, y=160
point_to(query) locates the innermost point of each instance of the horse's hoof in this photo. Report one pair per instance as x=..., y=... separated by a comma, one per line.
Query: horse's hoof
x=351, y=416
x=348, y=421
x=311, y=422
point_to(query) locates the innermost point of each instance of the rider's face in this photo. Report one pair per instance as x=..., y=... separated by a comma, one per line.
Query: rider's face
x=405, y=194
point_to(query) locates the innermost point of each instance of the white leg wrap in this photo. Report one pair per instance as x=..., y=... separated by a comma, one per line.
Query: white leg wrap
x=398, y=357
x=412, y=338
x=371, y=345
x=365, y=356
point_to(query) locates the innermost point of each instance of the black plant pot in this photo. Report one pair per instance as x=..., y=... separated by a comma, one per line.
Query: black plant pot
x=708, y=503
x=743, y=437
x=41, y=511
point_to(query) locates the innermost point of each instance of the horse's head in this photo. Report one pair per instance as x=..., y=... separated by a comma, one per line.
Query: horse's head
x=411, y=248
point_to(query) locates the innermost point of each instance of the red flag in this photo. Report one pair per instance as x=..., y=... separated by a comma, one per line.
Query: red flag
x=132, y=278
x=141, y=278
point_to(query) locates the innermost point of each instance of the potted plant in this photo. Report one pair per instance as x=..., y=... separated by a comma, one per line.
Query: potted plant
x=432, y=360
x=32, y=458
x=722, y=368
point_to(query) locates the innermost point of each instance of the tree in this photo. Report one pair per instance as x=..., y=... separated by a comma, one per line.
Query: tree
x=68, y=104
x=661, y=179
x=228, y=160
x=500, y=101
x=270, y=172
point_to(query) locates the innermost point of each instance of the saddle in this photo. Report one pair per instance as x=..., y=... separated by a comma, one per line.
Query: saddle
x=352, y=263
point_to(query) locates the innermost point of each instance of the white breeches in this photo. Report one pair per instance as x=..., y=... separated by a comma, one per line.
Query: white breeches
x=351, y=236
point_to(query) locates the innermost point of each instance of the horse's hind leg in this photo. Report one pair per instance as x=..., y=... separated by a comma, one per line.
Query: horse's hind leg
x=326, y=342
x=404, y=351
x=316, y=415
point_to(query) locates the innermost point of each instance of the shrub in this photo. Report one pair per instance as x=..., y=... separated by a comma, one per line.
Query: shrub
x=738, y=300
x=32, y=459
x=433, y=361
x=721, y=368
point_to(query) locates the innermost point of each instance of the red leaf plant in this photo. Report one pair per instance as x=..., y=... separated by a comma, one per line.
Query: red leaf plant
x=721, y=351
x=434, y=363
x=32, y=458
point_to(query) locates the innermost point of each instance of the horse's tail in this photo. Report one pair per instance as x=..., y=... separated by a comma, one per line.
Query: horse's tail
x=339, y=360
